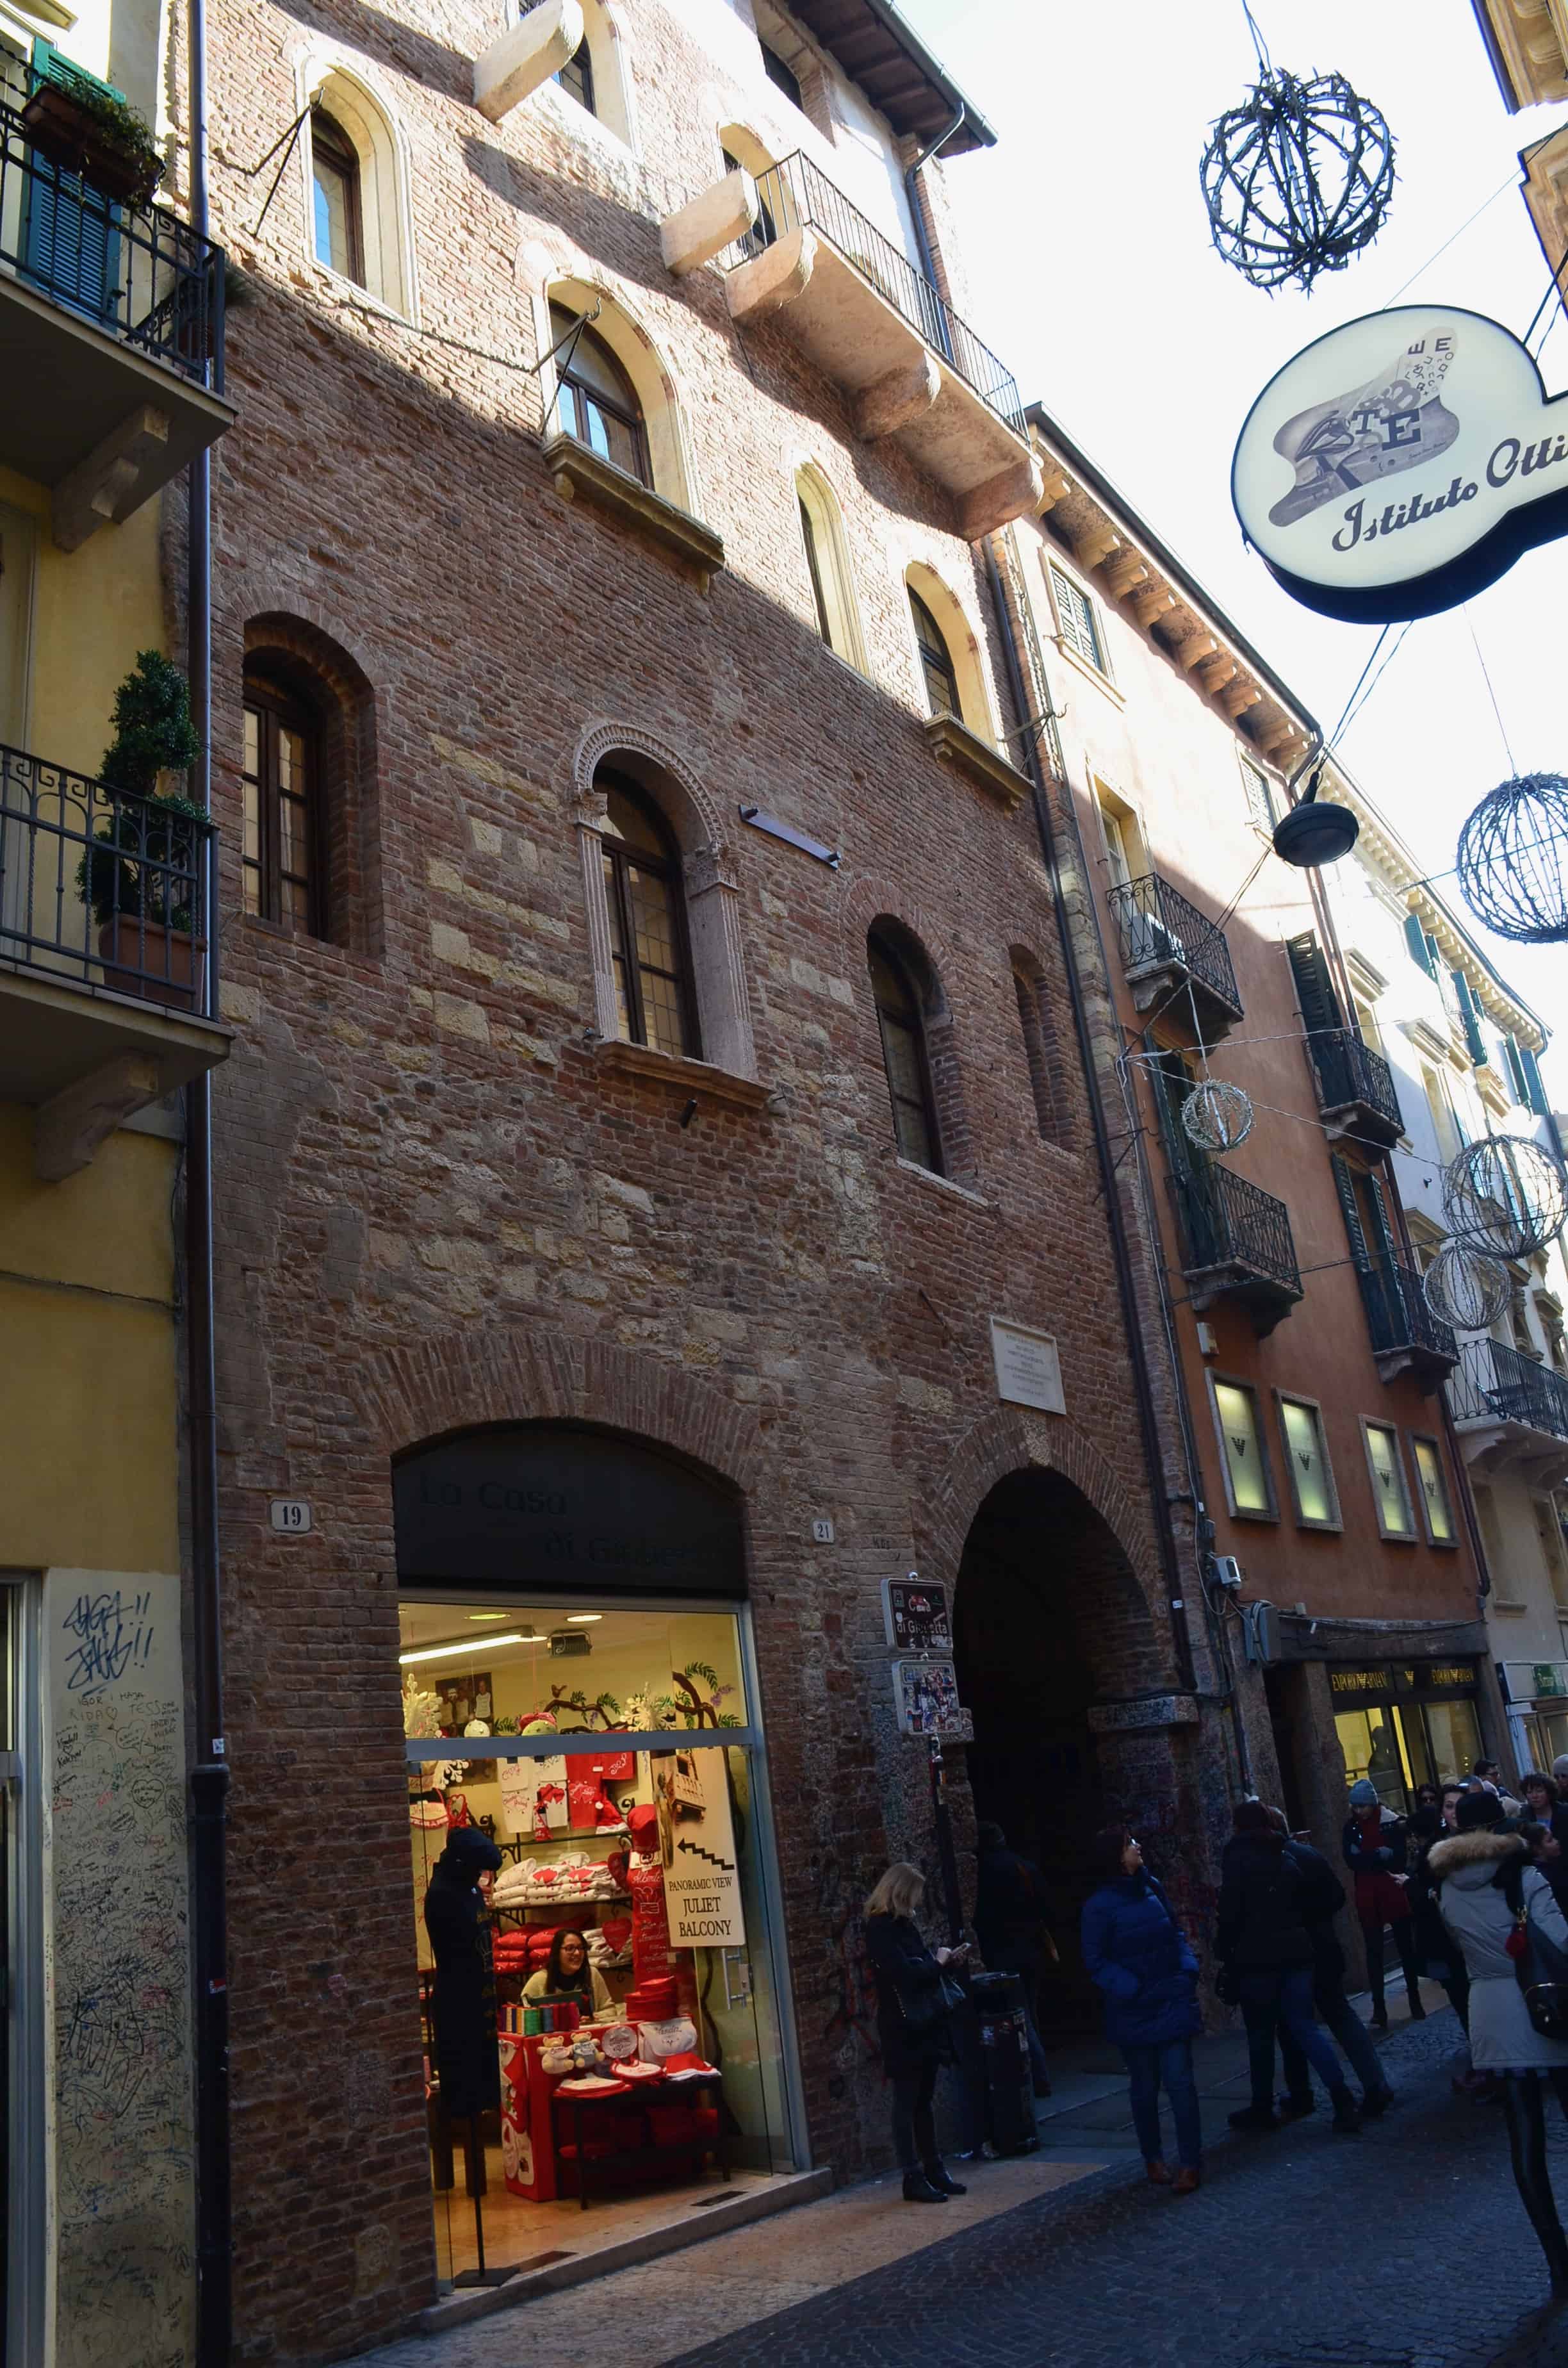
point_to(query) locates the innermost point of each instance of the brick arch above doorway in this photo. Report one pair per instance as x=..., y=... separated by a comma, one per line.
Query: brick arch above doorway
x=459, y=1380
x=1009, y=1441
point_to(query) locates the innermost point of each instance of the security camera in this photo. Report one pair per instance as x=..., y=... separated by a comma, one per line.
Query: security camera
x=1228, y=1571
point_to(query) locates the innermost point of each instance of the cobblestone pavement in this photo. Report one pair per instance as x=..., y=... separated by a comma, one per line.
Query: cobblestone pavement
x=1404, y=2247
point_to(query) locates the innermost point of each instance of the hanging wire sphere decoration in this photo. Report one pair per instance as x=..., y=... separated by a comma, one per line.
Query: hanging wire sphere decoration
x=1505, y=1196
x=1298, y=178
x=1464, y=1289
x=1513, y=859
x=1216, y=1117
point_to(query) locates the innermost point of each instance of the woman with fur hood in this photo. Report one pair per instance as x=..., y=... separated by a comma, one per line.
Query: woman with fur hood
x=1471, y=1867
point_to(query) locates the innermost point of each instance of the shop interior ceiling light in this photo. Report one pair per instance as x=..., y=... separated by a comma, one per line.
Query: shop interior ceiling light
x=1513, y=859
x=1466, y=1290
x=1505, y=1196
x=469, y=1645
x=1217, y=1116
x=1298, y=178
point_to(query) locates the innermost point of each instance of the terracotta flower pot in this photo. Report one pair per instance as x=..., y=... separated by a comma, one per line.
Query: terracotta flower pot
x=144, y=959
x=75, y=140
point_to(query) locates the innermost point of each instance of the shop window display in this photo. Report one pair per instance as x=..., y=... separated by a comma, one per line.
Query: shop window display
x=1398, y=1747
x=627, y=2002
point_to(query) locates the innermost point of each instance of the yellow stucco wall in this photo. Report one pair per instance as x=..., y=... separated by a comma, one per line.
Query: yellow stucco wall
x=88, y=1384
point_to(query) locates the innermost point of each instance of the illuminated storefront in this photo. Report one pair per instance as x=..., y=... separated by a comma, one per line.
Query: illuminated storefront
x=1404, y=1724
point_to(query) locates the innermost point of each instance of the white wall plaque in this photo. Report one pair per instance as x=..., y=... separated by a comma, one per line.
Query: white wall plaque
x=1028, y=1370
x=291, y=1514
x=822, y=1532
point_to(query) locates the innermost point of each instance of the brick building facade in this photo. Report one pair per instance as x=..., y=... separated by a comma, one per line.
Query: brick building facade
x=453, y=1198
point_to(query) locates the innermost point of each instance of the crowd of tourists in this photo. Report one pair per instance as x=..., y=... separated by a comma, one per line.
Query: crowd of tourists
x=1471, y=1886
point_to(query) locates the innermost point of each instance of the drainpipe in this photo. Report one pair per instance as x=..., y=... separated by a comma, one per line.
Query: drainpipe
x=208, y=1774
x=1148, y=1423
x=927, y=260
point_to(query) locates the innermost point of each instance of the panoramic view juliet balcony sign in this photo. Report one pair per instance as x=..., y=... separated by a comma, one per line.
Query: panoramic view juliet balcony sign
x=1402, y=463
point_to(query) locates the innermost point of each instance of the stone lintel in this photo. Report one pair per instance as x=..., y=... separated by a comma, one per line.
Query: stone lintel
x=579, y=473
x=686, y=1077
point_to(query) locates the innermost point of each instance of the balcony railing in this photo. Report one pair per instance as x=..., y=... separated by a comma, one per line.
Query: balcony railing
x=1349, y=1071
x=134, y=271
x=1495, y=1383
x=1398, y=1317
x=1158, y=928
x=100, y=886
x=796, y=195
x=1228, y=1221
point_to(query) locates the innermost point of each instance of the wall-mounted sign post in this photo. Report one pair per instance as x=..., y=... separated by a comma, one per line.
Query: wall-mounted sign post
x=1402, y=463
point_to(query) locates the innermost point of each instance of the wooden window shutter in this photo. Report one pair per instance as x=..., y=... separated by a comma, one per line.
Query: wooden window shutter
x=1535, y=1088
x=1470, y=1018
x=1384, y=1246
x=1314, y=987
x=1344, y=1185
x=1416, y=938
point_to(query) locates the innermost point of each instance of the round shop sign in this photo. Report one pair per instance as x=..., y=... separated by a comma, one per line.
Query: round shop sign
x=1402, y=463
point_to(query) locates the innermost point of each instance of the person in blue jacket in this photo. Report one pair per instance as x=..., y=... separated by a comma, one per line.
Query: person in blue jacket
x=1135, y=1953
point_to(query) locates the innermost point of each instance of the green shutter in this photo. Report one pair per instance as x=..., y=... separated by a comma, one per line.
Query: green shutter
x=1314, y=987
x=1535, y=1089
x=1384, y=1247
x=1344, y=1184
x=71, y=239
x=1416, y=938
x=50, y=65
x=1516, y=1069
x=1470, y=1017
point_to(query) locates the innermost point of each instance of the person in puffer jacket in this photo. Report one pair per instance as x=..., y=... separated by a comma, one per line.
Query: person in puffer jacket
x=1469, y=1868
x=1267, y=1946
x=1375, y=1851
x=1135, y=1953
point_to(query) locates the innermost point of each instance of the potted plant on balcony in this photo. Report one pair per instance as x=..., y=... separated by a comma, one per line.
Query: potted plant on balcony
x=141, y=872
x=86, y=128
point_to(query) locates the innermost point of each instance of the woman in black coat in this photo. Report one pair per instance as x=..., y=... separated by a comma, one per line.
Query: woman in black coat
x=914, y=1993
x=466, y=2058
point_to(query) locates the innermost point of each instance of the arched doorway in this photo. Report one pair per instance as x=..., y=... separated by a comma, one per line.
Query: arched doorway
x=579, y=1685
x=1049, y=1621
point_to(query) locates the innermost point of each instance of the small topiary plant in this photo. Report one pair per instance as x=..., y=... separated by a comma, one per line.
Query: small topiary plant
x=143, y=860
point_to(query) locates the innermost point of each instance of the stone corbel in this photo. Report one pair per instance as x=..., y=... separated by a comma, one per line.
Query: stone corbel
x=105, y=488
x=1240, y=696
x=1150, y=606
x=1124, y=572
x=1097, y=544
x=1012, y=493
x=708, y=224
x=1215, y=672
x=525, y=57
x=773, y=278
x=68, y=1130
x=1056, y=488
x=897, y=399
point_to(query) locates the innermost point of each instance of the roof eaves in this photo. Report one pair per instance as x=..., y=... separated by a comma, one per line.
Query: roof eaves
x=975, y=132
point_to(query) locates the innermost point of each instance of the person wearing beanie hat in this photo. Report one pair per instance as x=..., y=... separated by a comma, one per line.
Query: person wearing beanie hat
x=1485, y=1881
x=1265, y=1945
x=463, y=2017
x=1375, y=1851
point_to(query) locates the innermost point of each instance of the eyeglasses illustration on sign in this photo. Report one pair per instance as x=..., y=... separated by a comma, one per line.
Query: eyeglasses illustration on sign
x=1322, y=477
x=1391, y=421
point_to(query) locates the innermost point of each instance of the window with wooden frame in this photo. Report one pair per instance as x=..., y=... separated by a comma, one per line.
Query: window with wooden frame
x=937, y=668
x=1432, y=1487
x=283, y=854
x=1391, y=1496
x=596, y=400
x=781, y=77
x=1244, y=1457
x=1259, y=794
x=339, y=227
x=827, y=566
x=576, y=77
x=1313, y=1497
x=901, y=1019
x=648, y=948
x=1075, y=618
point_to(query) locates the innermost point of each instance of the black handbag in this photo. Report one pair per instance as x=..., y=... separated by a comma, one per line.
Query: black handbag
x=1541, y=1967
x=928, y=2011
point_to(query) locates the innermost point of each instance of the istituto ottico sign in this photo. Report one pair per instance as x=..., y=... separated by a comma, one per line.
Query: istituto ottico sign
x=1402, y=463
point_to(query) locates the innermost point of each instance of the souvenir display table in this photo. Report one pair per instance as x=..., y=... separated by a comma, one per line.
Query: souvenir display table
x=576, y=2119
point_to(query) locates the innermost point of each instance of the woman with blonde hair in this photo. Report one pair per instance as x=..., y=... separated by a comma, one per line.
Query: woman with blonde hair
x=916, y=1993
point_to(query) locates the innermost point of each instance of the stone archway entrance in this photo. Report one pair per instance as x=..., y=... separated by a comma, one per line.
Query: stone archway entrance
x=1055, y=1647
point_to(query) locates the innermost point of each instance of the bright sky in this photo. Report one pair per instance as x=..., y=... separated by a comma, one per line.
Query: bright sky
x=1087, y=245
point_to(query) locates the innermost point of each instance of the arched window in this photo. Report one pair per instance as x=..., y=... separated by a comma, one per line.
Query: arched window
x=769, y=187
x=828, y=566
x=901, y=1020
x=334, y=179
x=936, y=668
x=357, y=222
x=597, y=402
x=283, y=852
x=647, y=922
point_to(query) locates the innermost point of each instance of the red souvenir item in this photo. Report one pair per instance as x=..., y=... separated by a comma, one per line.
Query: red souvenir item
x=642, y=1825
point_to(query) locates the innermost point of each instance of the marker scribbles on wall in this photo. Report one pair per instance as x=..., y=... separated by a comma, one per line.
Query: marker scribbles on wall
x=1394, y=421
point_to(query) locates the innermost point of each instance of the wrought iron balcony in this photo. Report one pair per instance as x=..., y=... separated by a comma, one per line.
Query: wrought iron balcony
x=103, y=952
x=1406, y=1337
x=112, y=319
x=1356, y=1089
x=1236, y=1243
x=1510, y=1414
x=862, y=312
x=1173, y=954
